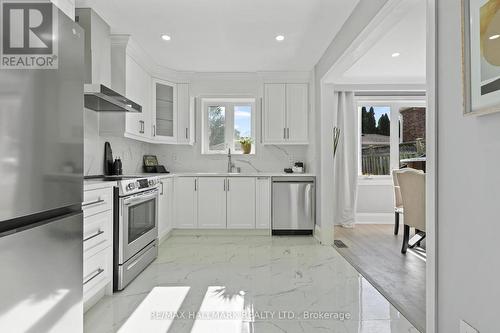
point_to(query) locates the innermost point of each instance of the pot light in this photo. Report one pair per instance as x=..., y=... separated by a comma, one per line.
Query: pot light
x=395, y=54
x=165, y=37
x=280, y=38
x=492, y=37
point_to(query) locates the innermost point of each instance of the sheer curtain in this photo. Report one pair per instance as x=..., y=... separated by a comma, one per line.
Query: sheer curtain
x=345, y=165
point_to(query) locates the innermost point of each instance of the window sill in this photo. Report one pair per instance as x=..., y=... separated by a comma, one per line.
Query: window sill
x=375, y=180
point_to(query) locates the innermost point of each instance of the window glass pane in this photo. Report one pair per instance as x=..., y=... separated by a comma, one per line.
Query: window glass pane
x=242, y=124
x=411, y=136
x=216, y=128
x=375, y=140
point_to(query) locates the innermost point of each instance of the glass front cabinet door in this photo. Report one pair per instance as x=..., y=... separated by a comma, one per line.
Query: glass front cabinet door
x=164, y=111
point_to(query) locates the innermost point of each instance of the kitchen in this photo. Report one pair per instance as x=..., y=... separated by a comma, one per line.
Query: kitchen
x=206, y=158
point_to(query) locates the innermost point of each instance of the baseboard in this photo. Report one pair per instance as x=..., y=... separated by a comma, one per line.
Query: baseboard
x=165, y=236
x=375, y=218
x=317, y=233
x=220, y=232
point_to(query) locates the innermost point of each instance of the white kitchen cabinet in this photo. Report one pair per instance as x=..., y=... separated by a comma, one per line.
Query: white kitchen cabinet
x=286, y=113
x=263, y=203
x=164, y=114
x=186, y=202
x=240, y=202
x=165, y=205
x=185, y=115
x=130, y=78
x=97, y=244
x=211, y=202
x=297, y=112
x=274, y=113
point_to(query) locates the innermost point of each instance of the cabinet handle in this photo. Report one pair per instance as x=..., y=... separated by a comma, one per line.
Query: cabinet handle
x=187, y=133
x=228, y=185
x=284, y=133
x=224, y=185
x=288, y=133
x=161, y=183
x=154, y=130
x=94, y=274
x=96, y=202
x=100, y=232
x=196, y=184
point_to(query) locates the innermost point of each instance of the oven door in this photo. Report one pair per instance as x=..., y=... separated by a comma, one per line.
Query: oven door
x=138, y=223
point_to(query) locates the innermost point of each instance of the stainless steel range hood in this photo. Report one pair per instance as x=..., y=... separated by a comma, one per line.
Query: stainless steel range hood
x=101, y=98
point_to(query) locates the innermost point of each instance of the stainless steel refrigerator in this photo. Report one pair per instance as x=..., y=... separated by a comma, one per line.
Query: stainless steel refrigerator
x=41, y=184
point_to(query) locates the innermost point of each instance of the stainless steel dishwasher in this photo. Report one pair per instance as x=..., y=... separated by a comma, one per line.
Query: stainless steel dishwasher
x=293, y=205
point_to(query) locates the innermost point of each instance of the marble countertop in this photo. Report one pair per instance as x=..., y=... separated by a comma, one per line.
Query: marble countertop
x=99, y=183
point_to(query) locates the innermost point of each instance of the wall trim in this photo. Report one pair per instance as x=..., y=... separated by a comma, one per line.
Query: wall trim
x=221, y=232
x=375, y=218
x=166, y=235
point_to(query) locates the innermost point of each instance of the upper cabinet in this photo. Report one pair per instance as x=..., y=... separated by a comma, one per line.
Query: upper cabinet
x=286, y=113
x=164, y=115
x=172, y=113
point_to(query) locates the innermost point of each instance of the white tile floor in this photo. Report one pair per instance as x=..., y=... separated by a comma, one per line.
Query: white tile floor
x=229, y=284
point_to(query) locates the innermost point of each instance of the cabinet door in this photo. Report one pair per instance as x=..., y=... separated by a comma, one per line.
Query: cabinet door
x=165, y=207
x=274, y=113
x=186, y=202
x=138, y=89
x=164, y=114
x=183, y=114
x=212, y=203
x=263, y=203
x=297, y=114
x=240, y=203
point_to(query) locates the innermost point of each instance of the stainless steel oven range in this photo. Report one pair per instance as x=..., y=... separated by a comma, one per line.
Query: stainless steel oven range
x=135, y=228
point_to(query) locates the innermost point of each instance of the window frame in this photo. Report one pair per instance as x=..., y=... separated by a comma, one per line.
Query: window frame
x=229, y=104
x=395, y=103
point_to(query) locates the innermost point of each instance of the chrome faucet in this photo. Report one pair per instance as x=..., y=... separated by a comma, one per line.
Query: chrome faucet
x=230, y=164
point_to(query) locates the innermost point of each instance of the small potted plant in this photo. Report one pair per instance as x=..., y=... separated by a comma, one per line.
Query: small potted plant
x=246, y=144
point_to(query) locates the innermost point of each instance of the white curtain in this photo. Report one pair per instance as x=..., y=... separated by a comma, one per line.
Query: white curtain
x=345, y=170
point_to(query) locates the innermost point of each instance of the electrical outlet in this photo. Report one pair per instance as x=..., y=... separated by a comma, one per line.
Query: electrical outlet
x=466, y=328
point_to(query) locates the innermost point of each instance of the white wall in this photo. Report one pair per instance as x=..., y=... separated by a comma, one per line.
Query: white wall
x=375, y=202
x=468, y=194
x=268, y=158
x=130, y=151
x=364, y=12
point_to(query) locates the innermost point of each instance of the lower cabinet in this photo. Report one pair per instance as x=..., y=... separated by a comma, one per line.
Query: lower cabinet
x=263, y=203
x=186, y=202
x=165, y=205
x=97, y=245
x=211, y=202
x=222, y=202
x=240, y=203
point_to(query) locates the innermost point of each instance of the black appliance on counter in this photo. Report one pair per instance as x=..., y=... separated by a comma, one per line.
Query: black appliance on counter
x=150, y=165
x=111, y=167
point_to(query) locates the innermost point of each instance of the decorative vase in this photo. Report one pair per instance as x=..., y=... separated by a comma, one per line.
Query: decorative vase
x=247, y=148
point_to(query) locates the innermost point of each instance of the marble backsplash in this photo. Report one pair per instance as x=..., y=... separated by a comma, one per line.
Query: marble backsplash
x=130, y=151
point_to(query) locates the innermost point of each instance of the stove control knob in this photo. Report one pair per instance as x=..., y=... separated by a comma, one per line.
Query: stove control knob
x=130, y=186
x=151, y=182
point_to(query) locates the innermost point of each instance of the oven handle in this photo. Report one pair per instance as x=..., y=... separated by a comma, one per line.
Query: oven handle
x=140, y=198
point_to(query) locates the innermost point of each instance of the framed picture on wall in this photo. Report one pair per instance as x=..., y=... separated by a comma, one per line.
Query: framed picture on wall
x=481, y=56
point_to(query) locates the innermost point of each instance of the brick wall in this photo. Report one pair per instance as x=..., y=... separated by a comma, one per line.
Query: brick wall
x=413, y=124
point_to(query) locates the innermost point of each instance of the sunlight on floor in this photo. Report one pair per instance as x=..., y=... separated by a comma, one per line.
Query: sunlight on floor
x=157, y=312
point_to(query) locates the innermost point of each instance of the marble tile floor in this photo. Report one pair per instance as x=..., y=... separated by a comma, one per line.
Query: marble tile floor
x=254, y=284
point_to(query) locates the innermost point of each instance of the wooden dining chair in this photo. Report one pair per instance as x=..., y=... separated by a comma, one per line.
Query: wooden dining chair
x=412, y=187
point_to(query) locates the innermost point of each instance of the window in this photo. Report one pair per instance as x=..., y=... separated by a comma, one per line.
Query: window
x=392, y=133
x=225, y=122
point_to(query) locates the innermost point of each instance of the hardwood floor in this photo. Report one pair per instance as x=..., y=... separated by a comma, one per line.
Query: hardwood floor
x=375, y=252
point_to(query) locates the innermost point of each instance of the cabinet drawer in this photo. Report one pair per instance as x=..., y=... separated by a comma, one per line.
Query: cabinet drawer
x=97, y=233
x=96, y=201
x=96, y=272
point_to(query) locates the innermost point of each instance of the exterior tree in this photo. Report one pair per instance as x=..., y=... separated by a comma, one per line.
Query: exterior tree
x=368, y=124
x=384, y=125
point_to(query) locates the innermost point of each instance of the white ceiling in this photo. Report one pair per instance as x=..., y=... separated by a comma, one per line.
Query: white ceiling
x=228, y=35
x=407, y=37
